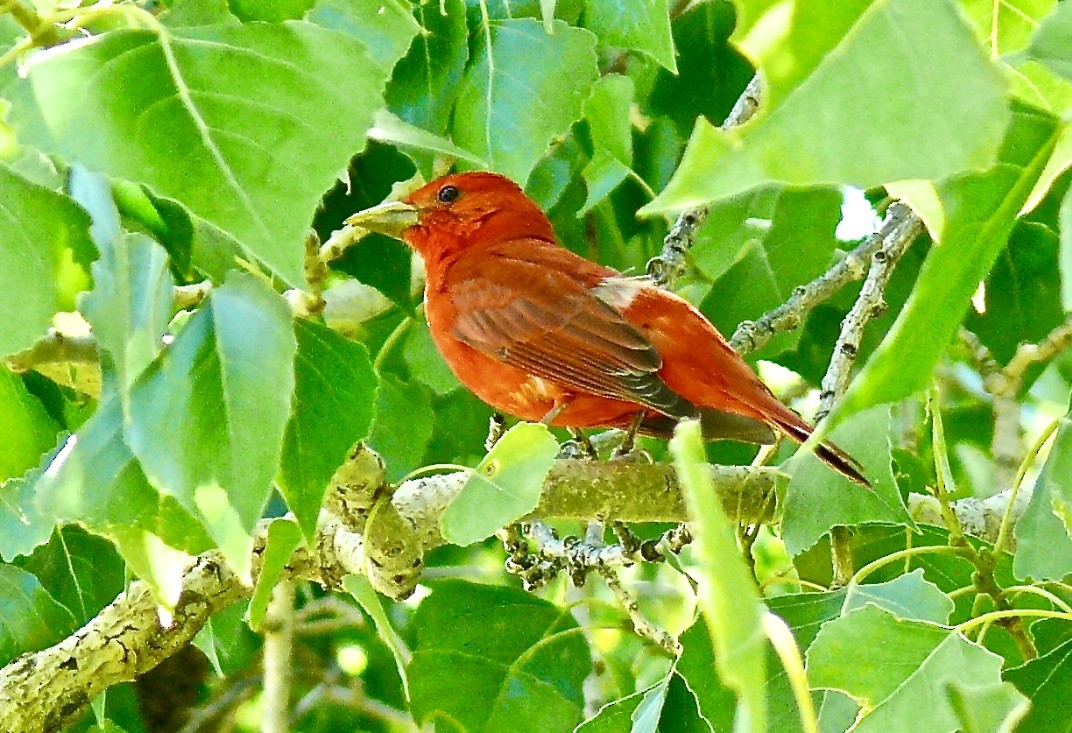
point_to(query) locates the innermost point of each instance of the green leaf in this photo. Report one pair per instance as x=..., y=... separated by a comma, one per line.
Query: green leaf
x=727, y=591
x=95, y=480
x=607, y=112
x=987, y=708
x=522, y=89
x=42, y=234
x=1065, y=253
x=424, y=362
x=334, y=397
x=714, y=700
x=283, y=538
x=154, y=561
x=640, y=712
x=33, y=619
x=359, y=587
x=639, y=25
x=1023, y=293
x=385, y=264
x=948, y=100
x=758, y=247
x=493, y=658
x=230, y=129
x=819, y=498
x=81, y=571
x=504, y=487
x=1006, y=27
x=907, y=596
x=1051, y=43
x=227, y=641
x=26, y=429
x=273, y=12
x=402, y=426
x=22, y=526
x=1047, y=682
x=427, y=80
x=385, y=27
x=131, y=301
x=207, y=417
x=1044, y=531
x=391, y=129
x=895, y=664
x=977, y=212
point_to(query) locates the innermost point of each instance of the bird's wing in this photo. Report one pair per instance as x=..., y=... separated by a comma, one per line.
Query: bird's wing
x=532, y=311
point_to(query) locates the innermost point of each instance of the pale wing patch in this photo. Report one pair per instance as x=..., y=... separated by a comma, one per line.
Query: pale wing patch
x=620, y=292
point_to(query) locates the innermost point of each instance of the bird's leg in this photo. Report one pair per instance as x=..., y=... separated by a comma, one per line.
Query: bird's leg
x=630, y=437
x=553, y=413
x=585, y=444
x=496, y=428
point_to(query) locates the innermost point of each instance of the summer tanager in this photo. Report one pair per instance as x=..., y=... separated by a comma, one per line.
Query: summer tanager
x=541, y=333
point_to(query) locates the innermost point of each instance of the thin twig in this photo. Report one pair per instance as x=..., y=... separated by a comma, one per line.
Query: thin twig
x=278, y=647
x=644, y=628
x=670, y=263
x=870, y=303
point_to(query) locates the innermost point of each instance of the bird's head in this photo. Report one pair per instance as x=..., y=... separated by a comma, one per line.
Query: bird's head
x=456, y=213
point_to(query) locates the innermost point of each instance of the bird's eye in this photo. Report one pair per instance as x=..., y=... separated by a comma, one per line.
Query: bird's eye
x=448, y=194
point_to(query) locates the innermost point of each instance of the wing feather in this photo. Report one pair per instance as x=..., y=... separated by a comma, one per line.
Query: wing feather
x=539, y=317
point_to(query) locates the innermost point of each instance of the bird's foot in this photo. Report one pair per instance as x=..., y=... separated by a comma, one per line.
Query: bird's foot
x=625, y=450
x=579, y=447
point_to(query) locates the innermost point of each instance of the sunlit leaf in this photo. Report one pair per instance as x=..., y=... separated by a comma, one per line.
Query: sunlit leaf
x=504, y=487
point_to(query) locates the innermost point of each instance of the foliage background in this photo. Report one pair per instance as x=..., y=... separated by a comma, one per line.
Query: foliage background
x=154, y=145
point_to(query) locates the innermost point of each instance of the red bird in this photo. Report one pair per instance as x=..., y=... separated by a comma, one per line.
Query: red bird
x=541, y=333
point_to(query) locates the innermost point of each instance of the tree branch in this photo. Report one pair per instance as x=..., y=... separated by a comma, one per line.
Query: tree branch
x=51, y=688
x=899, y=224
x=670, y=264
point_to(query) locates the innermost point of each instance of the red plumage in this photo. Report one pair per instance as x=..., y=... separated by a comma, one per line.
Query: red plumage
x=532, y=328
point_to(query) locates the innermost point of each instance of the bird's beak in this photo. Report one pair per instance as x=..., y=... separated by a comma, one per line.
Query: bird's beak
x=390, y=218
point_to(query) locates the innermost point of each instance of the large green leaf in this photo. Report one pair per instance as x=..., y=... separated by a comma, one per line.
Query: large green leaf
x=728, y=595
x=1006, y=27
x=246, y=125
x=1052, y=41
x=207, y=417
x=1047, y=681
x=427, y=79
x=819, y=498
x=33, y=619
x=41, y=234
x=334, y=396
x=1044, y=531
x=95, y=480
x=638, y=25
x=385, y=28
x=908, y=596
x=932, y=78
x=971, y=216
x=26, y=429
x=80, y=570
x=504, y=487
x=493, y=659
x=1023, y=293
x=889, y=665
x=757, y=247
x=131, y=301
x=402, y=425
x=1065, y=252
x=523, y=87
x=611, y=130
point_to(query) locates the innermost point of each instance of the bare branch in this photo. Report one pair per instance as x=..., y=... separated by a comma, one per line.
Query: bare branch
x=900, y=223
x=670, y=264
x=870, y=303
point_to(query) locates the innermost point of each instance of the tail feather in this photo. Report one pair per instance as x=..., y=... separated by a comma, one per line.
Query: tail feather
x=828, y=452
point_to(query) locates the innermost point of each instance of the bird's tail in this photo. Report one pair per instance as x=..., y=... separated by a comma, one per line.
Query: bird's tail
x=830, y=454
